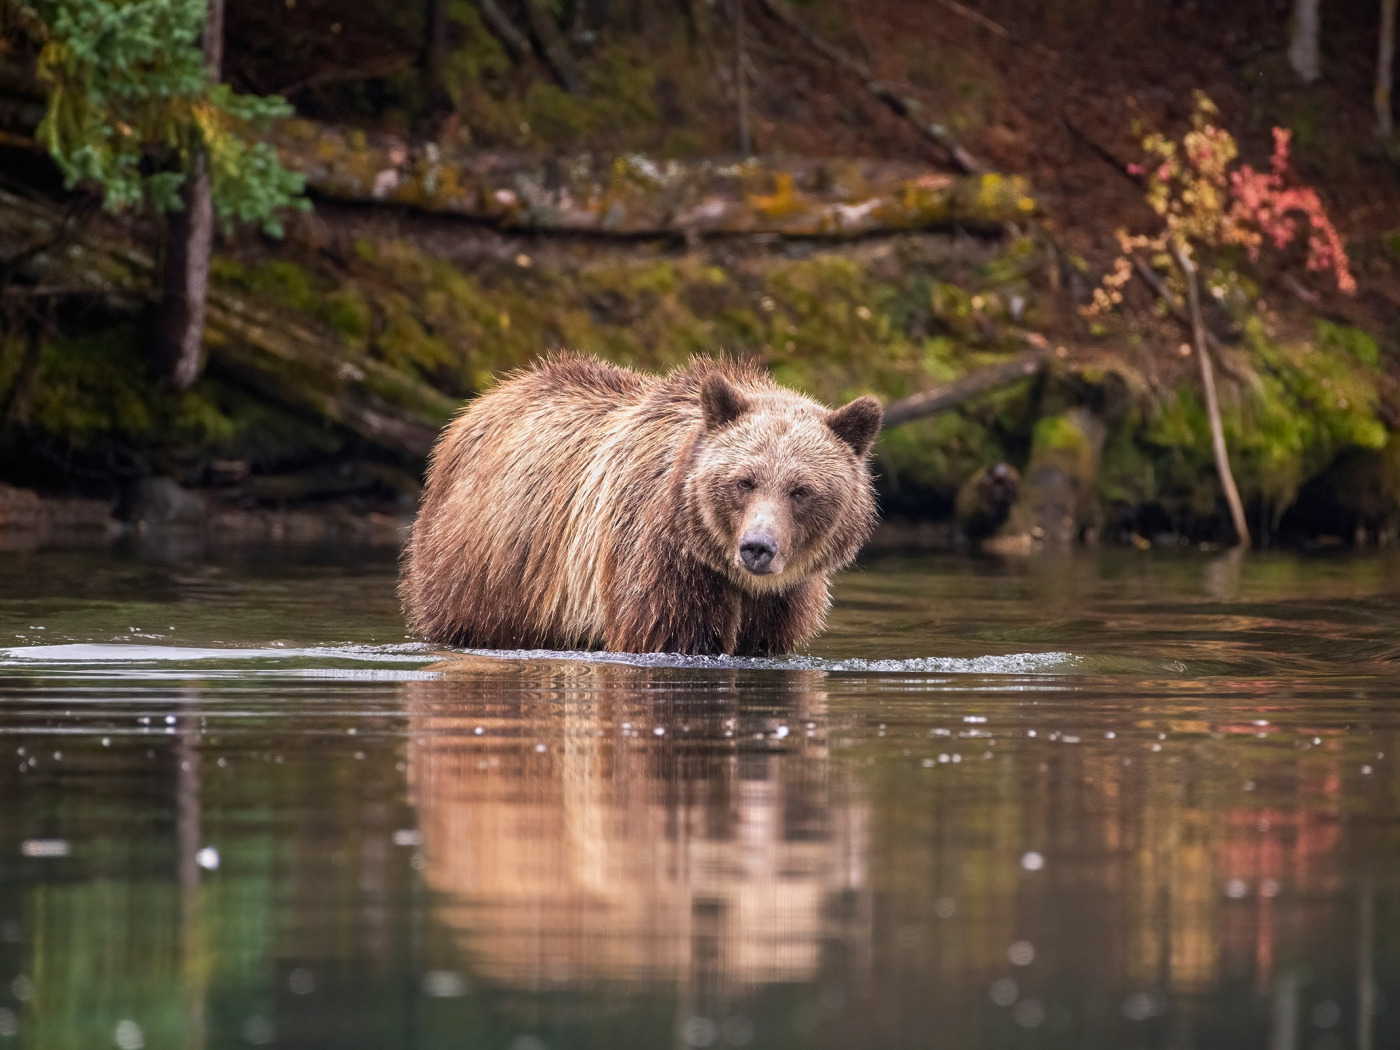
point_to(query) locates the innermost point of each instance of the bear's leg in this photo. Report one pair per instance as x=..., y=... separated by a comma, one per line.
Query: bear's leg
x=683, y=609
x=779, y=623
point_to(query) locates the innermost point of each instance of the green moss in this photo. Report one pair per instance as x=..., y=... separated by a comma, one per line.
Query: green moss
x=1354, y=343
x=92, y=393
x=1311, y=402
x=349, y=314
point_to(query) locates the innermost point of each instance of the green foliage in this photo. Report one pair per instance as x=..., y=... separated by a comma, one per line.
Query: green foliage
x=131, y=107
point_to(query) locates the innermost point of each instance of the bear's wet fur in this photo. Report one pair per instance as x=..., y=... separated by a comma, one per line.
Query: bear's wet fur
x=583, y=505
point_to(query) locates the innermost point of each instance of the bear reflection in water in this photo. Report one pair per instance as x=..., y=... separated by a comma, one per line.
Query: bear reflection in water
x=587, y=822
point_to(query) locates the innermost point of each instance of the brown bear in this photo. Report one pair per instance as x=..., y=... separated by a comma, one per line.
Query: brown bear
x=583, y=505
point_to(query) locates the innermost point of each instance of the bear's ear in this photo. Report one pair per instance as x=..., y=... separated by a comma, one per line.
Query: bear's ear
x=720, y=403
x=858, y=423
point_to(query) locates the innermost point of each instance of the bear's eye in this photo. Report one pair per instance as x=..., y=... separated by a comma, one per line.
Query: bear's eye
x=800, y=493
x=744, y=485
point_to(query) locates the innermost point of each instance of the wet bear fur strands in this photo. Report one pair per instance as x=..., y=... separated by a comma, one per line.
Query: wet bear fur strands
x=582, y=505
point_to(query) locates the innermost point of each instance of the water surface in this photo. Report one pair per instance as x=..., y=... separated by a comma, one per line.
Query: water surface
x=1121, y=800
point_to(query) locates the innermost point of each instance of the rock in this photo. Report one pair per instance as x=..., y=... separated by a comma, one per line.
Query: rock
x=161, y=503
x=29, y=520
x=985, y=501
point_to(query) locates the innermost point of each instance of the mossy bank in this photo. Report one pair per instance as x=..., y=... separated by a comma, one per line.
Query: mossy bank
x=417, y=316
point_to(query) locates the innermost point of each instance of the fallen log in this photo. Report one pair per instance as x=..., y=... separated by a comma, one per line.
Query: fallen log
x=959, y=391
x=632, y=195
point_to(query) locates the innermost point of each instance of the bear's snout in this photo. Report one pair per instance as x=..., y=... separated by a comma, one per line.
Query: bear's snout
x=757, y=551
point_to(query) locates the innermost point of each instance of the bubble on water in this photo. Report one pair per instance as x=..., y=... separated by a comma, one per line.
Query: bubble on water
x=699, y=1031
x=1110, y=735
x=478, y=730
x=408, y=837
x=1236, y=889
x=928, y=763
x=974, y=718
x=106, y=741
x=258, y=1030
x=301, y=981
x=1249, y=785
x=1022, y=953
x=1032, y=861
x=128, y=1036
x=207, y=858
x=1326, y=1014
x=1003, y=992
x=45, y=848
x=1365, y=770
x=1029, y=1013
x=9, y=1023
x=446, y=984
x=540, y=747
x=945, y=907
x=661, y=731
x=737, y=1030
x=170, y=720
x=781, y=732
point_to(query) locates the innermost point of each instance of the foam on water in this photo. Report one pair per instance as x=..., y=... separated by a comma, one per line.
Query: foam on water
x=89, y=655
x=104, y=653
x=1014, y=663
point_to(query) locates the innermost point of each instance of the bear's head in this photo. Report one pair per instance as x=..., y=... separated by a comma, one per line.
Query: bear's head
x=780, y=484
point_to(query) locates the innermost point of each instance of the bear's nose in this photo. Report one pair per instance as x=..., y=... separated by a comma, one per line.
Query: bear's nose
x=757, y=553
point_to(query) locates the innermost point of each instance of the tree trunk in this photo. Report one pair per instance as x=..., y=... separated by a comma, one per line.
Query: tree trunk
x=437, y=101
x=741, y=81
x=179, y=328
x=1385, y=70
x=1303, y=47
x=1217, y=429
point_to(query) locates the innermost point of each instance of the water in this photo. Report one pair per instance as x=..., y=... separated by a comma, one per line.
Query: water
x=1118, y=801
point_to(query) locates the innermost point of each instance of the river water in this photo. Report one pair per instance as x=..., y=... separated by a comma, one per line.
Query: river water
x=1120, y=800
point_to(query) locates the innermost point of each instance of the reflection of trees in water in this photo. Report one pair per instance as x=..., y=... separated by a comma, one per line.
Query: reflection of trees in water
x=569, y=840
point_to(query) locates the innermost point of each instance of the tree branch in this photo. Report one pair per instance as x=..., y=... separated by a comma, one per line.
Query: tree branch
x=1217, y=429
x=965, y=388
x=515, y=42
x=1154, y=281
x=903, y=105
x=552, y=47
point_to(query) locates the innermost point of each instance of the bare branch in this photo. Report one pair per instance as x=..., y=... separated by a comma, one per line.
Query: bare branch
x=1217, y=429
x=905, y=106
x=951, y=395
x=1155, y=282
x=515, y=41
x=552, y=47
